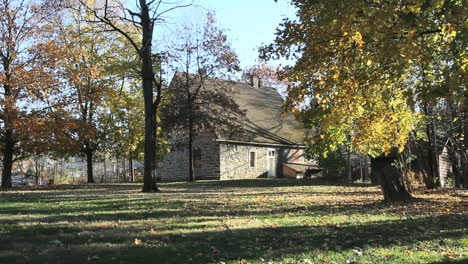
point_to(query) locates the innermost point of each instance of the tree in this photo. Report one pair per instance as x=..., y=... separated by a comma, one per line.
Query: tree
x=363, y=65
x=201, y=104
x=90, y=55
x=28, y=81
x=115, y=16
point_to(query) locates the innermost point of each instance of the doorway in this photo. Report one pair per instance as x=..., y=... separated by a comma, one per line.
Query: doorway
x=272, y=163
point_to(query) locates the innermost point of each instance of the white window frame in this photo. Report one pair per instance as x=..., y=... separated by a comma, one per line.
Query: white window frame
x=254, y=158
x=272, y=153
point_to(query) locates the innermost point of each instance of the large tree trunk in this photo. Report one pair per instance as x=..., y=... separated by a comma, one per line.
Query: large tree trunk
x=89, y=165
x=7, y=159
x=392, y=185
x=390, y=179
x=8, y=140
x=147, y=74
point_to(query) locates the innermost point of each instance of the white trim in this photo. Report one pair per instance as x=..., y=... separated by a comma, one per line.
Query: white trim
x=250, y=158
x=272, y=167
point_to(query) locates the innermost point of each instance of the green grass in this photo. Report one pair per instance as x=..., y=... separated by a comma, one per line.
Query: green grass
x=246, y=221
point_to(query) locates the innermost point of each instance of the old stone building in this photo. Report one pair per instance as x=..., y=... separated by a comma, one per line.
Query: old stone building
x=271, y=139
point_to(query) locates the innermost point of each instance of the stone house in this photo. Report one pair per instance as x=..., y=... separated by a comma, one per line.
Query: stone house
x=271, y=139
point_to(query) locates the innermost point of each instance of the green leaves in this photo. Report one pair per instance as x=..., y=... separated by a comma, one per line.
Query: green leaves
x=363, y=68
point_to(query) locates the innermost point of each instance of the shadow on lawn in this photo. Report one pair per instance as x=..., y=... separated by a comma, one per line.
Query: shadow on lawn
x=268, y=183
x=93, y=231
x=105, y=245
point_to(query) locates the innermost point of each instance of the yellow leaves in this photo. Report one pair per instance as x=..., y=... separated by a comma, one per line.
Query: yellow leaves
x=464, y=64
x=137, y=242
x=437, y=4
x=411, y=34
x=336, y=75
x=357, y=38
x=369, y=62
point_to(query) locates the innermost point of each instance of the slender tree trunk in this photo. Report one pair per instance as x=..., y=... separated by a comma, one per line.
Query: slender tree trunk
x=147, y=74
x=89, y=165
x=7, y=159
x=456, y=177
x=190, y=150
x=130, y=168
x=38, y=171
x=349, y=177
x=465, y=139
x=430, y=179
x=104, y=170
x=361, y=170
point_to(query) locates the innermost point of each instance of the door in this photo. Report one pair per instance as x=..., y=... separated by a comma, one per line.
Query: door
x=271, y=163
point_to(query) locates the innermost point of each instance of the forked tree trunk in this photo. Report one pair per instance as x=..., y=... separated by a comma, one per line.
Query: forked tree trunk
x=392, y=185
x=89, y=165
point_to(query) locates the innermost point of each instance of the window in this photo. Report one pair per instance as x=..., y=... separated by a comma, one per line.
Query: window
x=271, y=153
x=252, y=159
x=197, y=158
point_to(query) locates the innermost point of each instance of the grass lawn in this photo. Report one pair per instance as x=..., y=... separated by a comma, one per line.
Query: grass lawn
x=245, y=221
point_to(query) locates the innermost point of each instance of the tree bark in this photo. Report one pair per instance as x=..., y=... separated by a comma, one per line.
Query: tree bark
x=7, y=158
x=89, y=165
x=8, y=140
x=147, y=74
x=190, y=150
x=431, y=178
x=130, y=169
x=38, y=170
x=392, y=185
x=465, y=139
x=349, y=176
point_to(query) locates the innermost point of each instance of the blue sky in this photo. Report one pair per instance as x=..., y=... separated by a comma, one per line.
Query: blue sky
x=249, y=23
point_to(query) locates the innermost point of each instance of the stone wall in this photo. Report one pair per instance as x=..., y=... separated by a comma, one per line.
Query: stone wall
x=175, y=164
x=226, y=161
x=235, y=162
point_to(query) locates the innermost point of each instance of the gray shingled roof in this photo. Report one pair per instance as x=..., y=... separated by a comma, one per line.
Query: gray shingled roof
x=264, y=122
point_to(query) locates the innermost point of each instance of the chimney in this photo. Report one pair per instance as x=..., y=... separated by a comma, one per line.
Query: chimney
x=255, y=81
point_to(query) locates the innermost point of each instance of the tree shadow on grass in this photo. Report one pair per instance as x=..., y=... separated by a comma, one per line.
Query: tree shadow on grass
x=74, y=244
x=208, y=236
x=268, y=183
